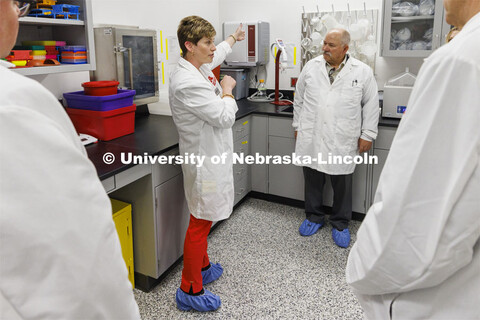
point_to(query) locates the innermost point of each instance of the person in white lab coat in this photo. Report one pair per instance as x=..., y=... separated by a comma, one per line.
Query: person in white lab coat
x=417, y=254
x=335, y=113
x=203, y=110
x=60, y=256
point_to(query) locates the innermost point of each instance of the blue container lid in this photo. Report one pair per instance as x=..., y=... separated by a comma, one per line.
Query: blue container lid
x=73, y=48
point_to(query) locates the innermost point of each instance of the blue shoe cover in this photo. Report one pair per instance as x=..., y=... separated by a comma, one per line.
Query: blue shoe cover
x=205, y=302
x=341, y=238
x=308, y=228
x=212, y=273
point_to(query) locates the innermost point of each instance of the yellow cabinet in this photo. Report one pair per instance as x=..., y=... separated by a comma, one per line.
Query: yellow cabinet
x=122, y=216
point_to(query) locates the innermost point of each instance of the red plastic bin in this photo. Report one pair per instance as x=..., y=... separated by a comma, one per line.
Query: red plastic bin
x=100, y=88
x=104, y=125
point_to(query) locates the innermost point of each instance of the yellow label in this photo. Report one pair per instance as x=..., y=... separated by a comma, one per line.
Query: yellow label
x=294, y=55
x=163, y=74
x=161, y=42
x=166, y=48
x=244, y=142
x=245, y=122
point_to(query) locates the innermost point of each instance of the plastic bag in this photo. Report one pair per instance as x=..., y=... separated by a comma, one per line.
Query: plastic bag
x=426, y=8
x=428, y=35
x=403, y=34
x=405, y=9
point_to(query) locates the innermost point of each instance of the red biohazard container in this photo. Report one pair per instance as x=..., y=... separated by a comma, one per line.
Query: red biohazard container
x=104, y=125
x=100, y=88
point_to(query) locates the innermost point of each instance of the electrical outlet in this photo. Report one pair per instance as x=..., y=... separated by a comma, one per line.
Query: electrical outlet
x=293, y=82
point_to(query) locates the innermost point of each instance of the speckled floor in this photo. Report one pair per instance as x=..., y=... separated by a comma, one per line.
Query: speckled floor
x=270, y=271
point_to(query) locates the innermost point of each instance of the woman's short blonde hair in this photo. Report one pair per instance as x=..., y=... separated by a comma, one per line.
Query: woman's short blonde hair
x=193, y=28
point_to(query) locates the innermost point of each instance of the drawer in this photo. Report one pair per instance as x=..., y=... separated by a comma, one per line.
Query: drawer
x=241, y=128
x=281, y=127
x=241, y=189
x=240, y=171
x=242, y=145
x=385, y=138
x=109, y=184
x=164, y=172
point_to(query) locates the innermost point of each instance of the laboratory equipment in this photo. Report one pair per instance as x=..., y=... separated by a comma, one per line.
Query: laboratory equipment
x=396, y=93
x=241, y=77
x=129, y=56
x=104, y=125
x=281, y=49
x=261, y=90
x=100, y=88
x=254, y=50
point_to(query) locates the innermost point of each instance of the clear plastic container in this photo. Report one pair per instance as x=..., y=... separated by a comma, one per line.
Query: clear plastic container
x=262, y=90
x=404, y=79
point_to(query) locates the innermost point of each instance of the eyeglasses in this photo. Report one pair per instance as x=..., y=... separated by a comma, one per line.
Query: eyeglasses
x=25, y=6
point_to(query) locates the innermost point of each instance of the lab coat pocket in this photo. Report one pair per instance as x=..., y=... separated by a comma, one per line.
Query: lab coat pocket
x=347, y=132
x=352, y=99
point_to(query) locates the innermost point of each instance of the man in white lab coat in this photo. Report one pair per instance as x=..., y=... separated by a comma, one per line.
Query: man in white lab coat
x=60, y=257
x=417, y=254
x=335, y=114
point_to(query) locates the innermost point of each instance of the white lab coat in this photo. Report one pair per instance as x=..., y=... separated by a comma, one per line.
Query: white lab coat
x=204, y=122
x=329, y=118
x=417, y=254
x=60, y=257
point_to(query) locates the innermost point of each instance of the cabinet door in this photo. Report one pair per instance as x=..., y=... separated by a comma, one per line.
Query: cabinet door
x=123, y=224
x=412, y=29
x=172, y=221
x=359, y=188
x=285, y=180
x=377, y=168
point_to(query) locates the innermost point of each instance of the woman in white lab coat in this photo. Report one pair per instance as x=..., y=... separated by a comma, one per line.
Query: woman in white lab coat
x=417, y=254
x=204, y=112
x=60, y=257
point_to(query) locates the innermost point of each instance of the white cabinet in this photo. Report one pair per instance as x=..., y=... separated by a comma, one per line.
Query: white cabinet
x=74, y=32
x=381, y=148
x=285, y=180
x=172, y=218
x=413, y=29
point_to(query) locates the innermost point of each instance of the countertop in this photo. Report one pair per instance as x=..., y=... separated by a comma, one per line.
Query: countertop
x=155, y=134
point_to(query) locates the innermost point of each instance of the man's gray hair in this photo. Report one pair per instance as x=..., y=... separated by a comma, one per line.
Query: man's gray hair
x=345, y=37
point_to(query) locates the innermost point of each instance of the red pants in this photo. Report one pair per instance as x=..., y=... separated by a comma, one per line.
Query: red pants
x=195, y=255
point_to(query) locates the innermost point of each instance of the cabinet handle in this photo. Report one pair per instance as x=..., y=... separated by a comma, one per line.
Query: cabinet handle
x=241, y=191
x=240, y=130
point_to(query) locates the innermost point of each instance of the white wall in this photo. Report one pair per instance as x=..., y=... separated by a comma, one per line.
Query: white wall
x=284, y=17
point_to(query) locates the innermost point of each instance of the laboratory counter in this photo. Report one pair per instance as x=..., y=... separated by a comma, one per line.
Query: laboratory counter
x=156, y=134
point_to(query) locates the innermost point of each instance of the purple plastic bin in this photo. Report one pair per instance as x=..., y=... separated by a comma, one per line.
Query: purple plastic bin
x=78, y=100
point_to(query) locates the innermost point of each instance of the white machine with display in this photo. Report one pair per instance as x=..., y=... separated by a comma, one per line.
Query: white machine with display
x=254, y=50
x=396, y=93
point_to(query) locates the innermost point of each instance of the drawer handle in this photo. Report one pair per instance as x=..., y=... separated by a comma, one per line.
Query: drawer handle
x=240, y=130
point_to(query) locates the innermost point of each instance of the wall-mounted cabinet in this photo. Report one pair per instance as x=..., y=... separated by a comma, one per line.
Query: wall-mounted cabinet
x=74, y=32
x=414, y=28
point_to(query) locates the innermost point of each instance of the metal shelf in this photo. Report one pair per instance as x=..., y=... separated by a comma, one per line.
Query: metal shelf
x=53, y=69
x=50, y=21
x=410, y=19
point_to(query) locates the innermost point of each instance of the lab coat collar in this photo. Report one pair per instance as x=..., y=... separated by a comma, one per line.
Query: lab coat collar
x=187, y=65
x=471, y=24
x=348, y=66
x=6, y=64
